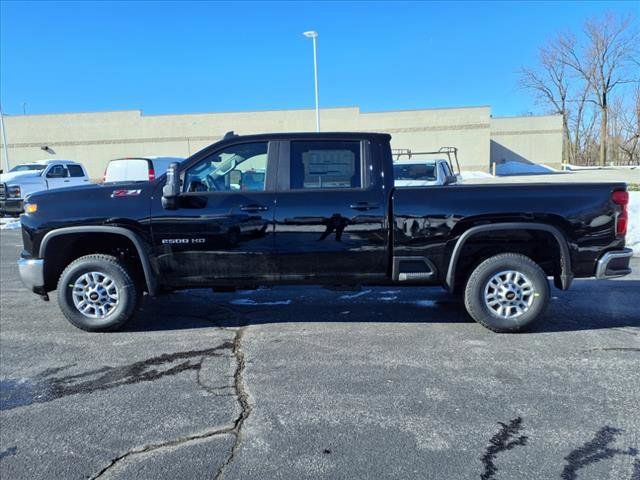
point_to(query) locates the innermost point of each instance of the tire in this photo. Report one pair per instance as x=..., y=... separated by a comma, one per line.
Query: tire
x=506, y=293
x=103, y=287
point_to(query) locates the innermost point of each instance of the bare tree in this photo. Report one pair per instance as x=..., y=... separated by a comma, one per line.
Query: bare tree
x=582, y=120
x=603, y=62
x=625, y=128
x=550, y=84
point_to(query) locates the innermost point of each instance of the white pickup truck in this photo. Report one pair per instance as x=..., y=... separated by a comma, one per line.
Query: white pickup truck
x=423, y=173
x=28, y=178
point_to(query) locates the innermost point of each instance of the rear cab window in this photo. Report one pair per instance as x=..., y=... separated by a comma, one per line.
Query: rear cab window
x=414, y=171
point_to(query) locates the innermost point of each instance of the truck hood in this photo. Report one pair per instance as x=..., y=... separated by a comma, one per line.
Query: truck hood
x=90, y=192
x=20, y=177
x=92, y=204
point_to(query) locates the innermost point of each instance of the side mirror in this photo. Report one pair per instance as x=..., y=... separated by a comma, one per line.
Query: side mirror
x=449, y=179
x=171, y=188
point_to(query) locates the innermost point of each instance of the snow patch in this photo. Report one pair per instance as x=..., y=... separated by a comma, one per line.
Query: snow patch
x=521, y=168
x=473, y=174
x=354, y=295
x=9, y=223
x=250, y=302
x=425, y=303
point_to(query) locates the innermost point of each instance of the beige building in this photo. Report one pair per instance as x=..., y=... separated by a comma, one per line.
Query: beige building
x=95, y=138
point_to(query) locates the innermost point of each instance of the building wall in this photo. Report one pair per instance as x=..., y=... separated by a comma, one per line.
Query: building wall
x=527, y=139
x=95, y=138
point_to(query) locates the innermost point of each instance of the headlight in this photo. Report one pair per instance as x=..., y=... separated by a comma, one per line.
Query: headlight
x=13, y=191
x=30, y=208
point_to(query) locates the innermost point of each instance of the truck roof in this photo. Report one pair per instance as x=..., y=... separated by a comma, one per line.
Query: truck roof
x=308, y=136
x=50, y=161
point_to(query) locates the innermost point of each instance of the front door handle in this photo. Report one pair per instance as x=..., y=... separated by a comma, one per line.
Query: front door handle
x=254, y=208
x=362, y=206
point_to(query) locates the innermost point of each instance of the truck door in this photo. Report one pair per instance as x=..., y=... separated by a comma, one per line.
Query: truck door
x=222, y=230
x=330, y=220
x=77, y=175
x=57, y=176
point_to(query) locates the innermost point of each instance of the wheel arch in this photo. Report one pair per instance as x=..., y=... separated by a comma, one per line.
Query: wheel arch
x=565, y=276
x=124, y=233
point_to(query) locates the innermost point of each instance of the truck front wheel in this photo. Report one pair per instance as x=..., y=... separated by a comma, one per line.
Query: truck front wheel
x=97, y=293
x=507, y=292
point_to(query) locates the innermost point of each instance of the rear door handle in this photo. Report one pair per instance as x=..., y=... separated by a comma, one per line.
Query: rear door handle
x=362, y=206
x=254, y=208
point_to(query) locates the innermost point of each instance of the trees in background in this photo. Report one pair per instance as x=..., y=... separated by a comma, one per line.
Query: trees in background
x=593, y=82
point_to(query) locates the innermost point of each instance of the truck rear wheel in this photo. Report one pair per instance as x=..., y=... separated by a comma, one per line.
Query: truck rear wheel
x=97, y=293
x=507, y=292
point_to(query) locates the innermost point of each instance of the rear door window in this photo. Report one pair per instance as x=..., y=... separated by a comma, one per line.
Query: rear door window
x=75, y=171
x=325, y=164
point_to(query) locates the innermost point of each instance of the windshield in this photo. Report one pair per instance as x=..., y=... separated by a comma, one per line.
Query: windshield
x=414, y=171
x=28, y=167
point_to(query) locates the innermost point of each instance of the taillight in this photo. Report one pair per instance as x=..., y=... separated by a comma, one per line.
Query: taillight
x=620, y=197
x=152, y=174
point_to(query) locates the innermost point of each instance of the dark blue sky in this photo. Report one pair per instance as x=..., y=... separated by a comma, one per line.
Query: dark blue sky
x=181, y=57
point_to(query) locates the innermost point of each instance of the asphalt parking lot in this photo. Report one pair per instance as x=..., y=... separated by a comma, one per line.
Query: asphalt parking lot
x=310, y=383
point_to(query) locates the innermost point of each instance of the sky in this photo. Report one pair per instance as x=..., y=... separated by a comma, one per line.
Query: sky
x=189, y=57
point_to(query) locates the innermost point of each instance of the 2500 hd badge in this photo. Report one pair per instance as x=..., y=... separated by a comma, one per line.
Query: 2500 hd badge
x=182, y=241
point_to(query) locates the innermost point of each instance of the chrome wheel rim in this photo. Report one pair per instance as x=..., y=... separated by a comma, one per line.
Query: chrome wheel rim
x=509, y=294
x=95, y=295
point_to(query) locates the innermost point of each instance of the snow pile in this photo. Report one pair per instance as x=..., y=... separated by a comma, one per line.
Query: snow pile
x=633, y=230
x=9, y=223
x=464, y=176
x=521, y=168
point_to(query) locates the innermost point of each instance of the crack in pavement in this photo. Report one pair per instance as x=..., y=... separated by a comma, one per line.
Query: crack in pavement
x=234, y=429
x=504, y=440
x=593, y=451
x=243, y=400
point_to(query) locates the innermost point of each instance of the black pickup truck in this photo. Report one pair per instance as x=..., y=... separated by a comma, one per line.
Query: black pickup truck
x=316, y=208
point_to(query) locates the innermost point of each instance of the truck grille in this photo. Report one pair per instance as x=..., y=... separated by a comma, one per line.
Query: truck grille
x=3, y=191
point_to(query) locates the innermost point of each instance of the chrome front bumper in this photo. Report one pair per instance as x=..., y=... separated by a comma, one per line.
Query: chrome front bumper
x=614, y=264
x=32, y=273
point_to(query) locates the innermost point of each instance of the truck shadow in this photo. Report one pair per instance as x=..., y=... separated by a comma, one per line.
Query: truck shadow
x=585, y=308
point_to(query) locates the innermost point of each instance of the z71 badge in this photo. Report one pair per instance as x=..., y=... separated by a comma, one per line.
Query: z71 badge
x=125, y=193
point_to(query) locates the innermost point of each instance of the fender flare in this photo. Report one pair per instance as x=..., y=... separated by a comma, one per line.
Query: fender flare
x=149, y=276
x=566, y=276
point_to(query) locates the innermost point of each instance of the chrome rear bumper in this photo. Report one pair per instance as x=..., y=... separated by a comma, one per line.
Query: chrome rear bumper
x=614, y=264
x=32, y=273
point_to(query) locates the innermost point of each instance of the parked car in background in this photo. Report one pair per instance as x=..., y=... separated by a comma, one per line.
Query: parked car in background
x=423, y=173
x=137, y=169
x=28, y=178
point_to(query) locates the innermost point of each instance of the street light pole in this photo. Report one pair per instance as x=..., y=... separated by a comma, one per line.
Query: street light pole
x=4, y=140
x=314, y=36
